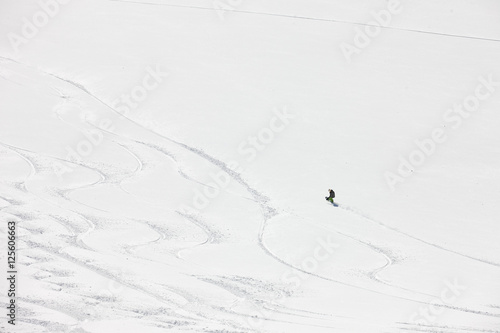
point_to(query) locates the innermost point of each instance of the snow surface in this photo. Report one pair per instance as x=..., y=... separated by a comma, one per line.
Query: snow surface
x=169, y=221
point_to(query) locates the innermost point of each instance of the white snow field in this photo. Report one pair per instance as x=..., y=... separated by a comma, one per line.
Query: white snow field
x=165, y=163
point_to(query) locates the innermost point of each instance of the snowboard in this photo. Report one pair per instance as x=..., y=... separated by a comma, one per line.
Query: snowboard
x=332, y=202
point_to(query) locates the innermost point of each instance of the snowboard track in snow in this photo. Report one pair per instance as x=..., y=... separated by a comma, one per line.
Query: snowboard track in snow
x=299, y=17
x=367, y=217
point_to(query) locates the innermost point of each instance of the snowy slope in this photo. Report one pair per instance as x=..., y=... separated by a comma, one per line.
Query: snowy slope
x=166, y=163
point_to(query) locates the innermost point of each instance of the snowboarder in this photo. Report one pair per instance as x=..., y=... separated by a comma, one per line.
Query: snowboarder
x=332, y=195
